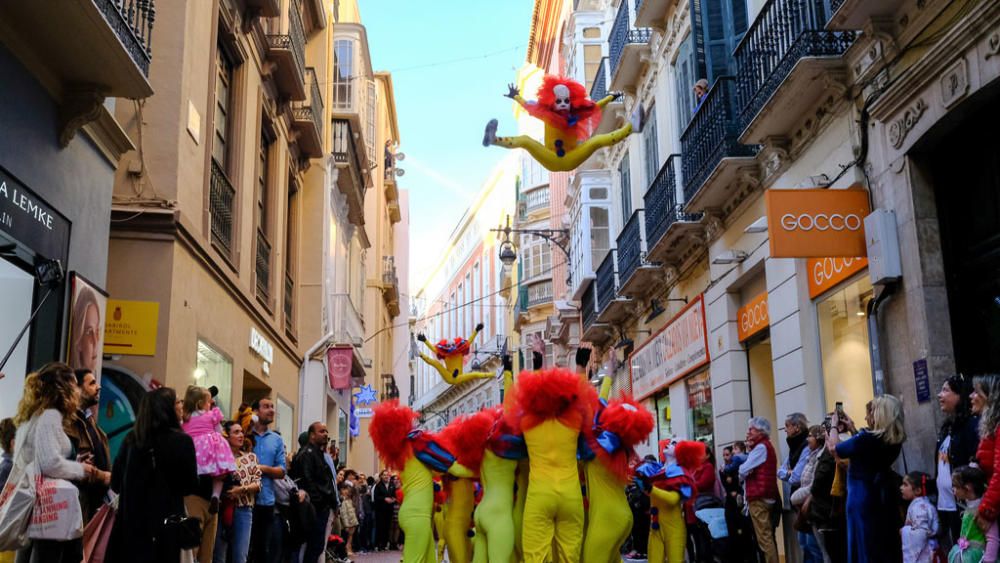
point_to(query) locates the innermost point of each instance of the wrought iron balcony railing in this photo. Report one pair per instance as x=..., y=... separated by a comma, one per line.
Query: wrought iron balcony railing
x=599, y=88
x=289, y=304
x=312, y=107
x=622, y=34
x=784, y=32
x=606, y=285
x=132, y=21
x=630, y=251
x=660, y=200
x=220, y=208
x=588, y=306
x=263, y=265
x=344, y=151
x=712, y=135
x=294, y=40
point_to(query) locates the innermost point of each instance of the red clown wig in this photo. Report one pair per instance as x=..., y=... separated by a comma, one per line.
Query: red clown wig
x=466, y=436
x=690, y=454
x=391, y=423
x=632, y=423
x=457, y=347
x=547, y=394
x=584, y=114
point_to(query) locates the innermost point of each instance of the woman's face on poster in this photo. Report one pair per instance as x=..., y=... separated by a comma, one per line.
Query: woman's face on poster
x=88, y=340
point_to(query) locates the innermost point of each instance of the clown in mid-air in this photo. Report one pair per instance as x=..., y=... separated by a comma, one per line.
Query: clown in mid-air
x=450, y=362
x=570, y=119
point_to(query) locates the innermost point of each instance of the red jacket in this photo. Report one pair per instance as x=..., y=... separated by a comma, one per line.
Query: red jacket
x=988, y=456
x=704, y=478
x=762, y=483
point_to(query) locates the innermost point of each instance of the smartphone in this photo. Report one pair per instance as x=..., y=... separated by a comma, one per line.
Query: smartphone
x=839, y=408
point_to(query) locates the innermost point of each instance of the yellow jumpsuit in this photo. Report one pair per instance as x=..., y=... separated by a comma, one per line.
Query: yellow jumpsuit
x=415, y=512
x=439, y=513
x=452, y=370
x=461, y=502
x=562, y=151
x=610, y=515
x=520, y=496
x=669, y=541
x=494, y=541
x=553, y=510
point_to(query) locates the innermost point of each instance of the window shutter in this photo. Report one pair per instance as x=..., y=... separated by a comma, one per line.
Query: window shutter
x=723, y=24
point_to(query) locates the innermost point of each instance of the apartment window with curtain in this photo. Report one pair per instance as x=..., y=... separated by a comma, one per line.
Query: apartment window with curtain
x=625, y=175
x=262, y=212
x=650, y=150
x=343, y=71
x=600, y=235
x=224, y=71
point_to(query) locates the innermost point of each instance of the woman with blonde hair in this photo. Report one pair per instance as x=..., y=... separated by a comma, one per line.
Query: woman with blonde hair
x=49, y=402
x=873, y=521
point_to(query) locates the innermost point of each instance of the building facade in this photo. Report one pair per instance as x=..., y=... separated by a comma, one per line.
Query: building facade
x=62, y=141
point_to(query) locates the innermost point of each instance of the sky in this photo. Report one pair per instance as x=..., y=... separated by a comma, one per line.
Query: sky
x=451, y=62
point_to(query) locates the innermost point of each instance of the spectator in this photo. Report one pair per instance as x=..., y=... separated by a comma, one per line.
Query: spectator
x=385, y=500
x=956, y=446
x=700, y=538
x=370, y=514
x=396, y=533
x=232, y=542
x=985, y=402
x=796, y=435
x=267, y=528
x=872, y=506
x=154, y=471
x=758, y=474
x=313, y=476
x=49, y=402
x=921, y=518
x=739, y=544
x=700, y=93
x=7, y=431
x=826, y=510
x=974, y=545
x=348, y=516
x=90, y=442
x=811, y=552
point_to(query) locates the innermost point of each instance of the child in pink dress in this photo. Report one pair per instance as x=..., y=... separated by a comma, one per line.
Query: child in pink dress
x=214, y=456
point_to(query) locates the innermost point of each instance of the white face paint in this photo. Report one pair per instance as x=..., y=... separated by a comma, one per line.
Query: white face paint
x=562, y=97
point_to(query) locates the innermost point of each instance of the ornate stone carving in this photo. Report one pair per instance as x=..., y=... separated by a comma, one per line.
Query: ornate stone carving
x=954, y=83
x=81, y=105
x=899, y=128
x=714, y=226
x=993, y=45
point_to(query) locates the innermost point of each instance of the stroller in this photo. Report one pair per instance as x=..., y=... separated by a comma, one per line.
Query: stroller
x=336, y=550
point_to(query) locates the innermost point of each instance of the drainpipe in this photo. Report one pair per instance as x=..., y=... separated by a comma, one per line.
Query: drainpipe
x=874, y=342
x=305, y=363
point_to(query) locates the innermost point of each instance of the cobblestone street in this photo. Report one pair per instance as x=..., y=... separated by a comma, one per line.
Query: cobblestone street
x=380, y=557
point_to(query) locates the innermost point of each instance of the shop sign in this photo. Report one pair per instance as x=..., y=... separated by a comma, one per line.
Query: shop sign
x=816, y=222
x=338, y=366
x=825, y=273
x=752, y=317
x=131, y=327
x=261, y=345
x=675, y=351
x=31, y=221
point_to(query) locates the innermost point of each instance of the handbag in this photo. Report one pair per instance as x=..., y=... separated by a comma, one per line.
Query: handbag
x=97, y=534
x=179, y=530
x=17, y=501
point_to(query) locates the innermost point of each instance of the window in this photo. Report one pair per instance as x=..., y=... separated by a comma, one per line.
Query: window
x=686, y=73
x=223, y=108
x=263, y=177
x=370, y=122
x=536, y=257
x=342, y=430
x=214, y=368
x=600, y=235
x=343, y=74
x=537, y=198
x=291, y=220
x=626, y=178
x=469, y=308
x=650, y=152
x=701, y=427
x=723, y=24
x=663, y=426
x=591, y=60
x=843, y=343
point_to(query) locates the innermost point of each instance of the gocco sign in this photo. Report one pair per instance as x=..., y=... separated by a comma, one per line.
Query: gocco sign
x=816, y=222
x=752, y=317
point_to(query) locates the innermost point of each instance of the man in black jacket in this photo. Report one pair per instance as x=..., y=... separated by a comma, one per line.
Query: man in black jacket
x=312, y=474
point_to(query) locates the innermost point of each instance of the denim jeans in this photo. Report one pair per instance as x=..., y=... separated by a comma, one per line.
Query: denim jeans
x=236, y=539
x=811, y=552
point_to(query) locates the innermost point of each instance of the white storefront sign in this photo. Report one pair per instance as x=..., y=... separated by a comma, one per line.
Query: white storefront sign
x=676, y=350
x=263, y=348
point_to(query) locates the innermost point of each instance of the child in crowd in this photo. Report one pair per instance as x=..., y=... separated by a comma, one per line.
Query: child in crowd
x=973, y=545
x=202, y=422
x=921, y=524
x=348, y=516
x=739, y=456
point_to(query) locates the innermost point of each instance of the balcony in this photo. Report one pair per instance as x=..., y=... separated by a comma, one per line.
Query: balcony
x=389, y=180
x=390, y=285
x=263, y=8
x=855, y=14
x=670, y=232
x=539, y=294
x=262, y=267
x=635, y=274
x=349, y=181
x=655, y=13
x=220, y=208
x=598, y=91
x=611, y=308
x=307, y=118
x=395, y=215
x=289, y=305
x=787, y=64
x=628, y=51
x=711, y=156
x=287, y=51
x=103, y=44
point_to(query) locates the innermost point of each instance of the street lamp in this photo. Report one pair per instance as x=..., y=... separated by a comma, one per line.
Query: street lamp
x=508, y=252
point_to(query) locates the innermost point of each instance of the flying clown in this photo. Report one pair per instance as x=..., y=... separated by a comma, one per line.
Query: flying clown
x=570, y=119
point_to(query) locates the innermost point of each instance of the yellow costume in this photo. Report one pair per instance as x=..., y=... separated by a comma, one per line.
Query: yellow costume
x=668, y=541
x=451, y=366
x=461, y=502
x=671, y=486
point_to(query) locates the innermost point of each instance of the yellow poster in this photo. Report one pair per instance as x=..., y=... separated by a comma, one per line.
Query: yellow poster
x=130, y=328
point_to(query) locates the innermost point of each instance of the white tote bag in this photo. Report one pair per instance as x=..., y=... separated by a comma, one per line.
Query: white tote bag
x=57, y=514
x=17, y=502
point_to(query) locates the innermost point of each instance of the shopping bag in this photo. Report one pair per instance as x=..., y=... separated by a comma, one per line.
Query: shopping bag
x=16, y=504
x=57, y=514
x=97, y=534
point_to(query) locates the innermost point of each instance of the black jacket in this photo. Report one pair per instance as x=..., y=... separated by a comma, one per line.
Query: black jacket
x=312, y=475
x=821, y=505
x=964, y=442
x=383, y=491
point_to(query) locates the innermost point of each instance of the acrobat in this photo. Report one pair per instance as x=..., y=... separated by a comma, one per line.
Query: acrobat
x=451, y=358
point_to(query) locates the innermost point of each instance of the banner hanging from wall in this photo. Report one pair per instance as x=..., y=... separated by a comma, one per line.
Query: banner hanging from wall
x=338, y=364
x=817, y=223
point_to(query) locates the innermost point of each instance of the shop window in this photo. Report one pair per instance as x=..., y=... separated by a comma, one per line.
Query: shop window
x=214, y=368
x=843, y=335
x=284, y=421
x=700, y=424
x=663, y=427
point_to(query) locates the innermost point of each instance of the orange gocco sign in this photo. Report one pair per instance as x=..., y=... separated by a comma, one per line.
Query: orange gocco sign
x=825, y=273
x=752, y=317
x=816, y=222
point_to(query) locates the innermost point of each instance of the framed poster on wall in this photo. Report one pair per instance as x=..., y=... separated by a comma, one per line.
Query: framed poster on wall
x=87, y=305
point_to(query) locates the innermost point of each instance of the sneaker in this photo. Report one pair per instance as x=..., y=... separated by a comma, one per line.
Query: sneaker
x=490, y=135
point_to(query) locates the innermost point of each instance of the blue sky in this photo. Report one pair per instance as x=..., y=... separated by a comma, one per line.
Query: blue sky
x=451, y=62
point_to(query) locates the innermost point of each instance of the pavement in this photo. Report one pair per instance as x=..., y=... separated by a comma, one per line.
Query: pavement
x=380, y=557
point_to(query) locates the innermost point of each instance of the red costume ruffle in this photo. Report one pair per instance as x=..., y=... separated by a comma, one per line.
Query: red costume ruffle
x=466, y=436
x=632, y=424
x=391, y=422
x=584, y=115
